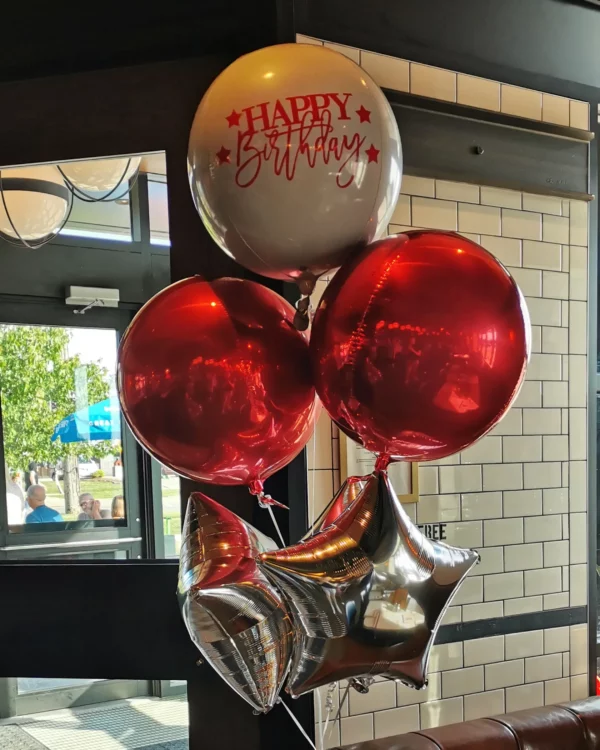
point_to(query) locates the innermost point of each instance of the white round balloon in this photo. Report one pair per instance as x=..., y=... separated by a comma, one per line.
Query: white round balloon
x=294, y=161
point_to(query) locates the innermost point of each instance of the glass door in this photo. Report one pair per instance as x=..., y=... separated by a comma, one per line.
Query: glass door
x=81, y=498
x=71, y=466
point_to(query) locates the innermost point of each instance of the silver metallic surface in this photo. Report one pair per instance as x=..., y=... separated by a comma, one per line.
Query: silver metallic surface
x=368, y=593
x=234, y=615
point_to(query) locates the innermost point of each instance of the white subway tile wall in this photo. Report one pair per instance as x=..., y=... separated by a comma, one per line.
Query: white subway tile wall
x=555, y=109
x=521, y=102
x=519, y=496
x=478, y=678
x=438, y=83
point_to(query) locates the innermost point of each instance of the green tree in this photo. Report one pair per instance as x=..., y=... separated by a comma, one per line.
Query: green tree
x=37, y=382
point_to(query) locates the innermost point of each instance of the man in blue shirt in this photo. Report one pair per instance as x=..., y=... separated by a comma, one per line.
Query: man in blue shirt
x=40, y=512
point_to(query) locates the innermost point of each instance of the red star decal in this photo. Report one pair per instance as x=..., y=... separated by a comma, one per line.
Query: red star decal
x=364, y=114
x=223, y=155
x=372, y=153
x=233, y=119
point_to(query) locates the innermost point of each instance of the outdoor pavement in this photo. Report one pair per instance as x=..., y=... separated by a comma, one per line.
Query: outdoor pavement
x=134, y=724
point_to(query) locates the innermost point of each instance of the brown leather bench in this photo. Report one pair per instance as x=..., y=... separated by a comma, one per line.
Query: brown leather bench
x=572, y=726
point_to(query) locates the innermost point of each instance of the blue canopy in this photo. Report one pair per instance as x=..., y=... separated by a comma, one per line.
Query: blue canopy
x=101, y=421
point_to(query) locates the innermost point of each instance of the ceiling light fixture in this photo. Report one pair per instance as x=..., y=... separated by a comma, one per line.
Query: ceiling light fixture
x=101, y=180
x=35, y=204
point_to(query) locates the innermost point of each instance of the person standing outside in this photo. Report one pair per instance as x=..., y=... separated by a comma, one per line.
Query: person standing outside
x=15, y=500
x=90, y=508
x=117, y=507
x=31, y=475
x=12, y=484
x=40, y=512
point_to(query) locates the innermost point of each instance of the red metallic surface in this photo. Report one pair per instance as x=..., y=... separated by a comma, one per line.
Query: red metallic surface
x=420, y=345
x=215, y=381
x=346, y=495
x=220, y=550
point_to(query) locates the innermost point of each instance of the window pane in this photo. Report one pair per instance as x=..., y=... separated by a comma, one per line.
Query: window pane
x=110, y=220
x=62, y=428
x=171, y=509
x=158, y=208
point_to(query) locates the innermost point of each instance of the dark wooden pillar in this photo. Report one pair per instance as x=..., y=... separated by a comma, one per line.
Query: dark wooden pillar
x=218, y=717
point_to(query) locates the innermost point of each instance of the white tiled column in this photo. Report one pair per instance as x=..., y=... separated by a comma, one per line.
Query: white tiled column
x=520, y=495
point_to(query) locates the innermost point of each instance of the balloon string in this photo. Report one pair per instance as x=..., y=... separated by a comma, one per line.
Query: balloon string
x=320, y=719
x=276, y=525
x=321, y=515
x=297, y=723
x=329, y=706
x=266, y=501
x=313, y=481
x=256, y=487
x=342, y=701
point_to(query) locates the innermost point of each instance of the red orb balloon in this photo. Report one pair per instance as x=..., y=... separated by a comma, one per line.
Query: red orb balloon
x=420, y=345
x=215, y=381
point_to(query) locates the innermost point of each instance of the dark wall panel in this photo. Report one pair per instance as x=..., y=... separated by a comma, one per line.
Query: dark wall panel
x=45, y=38
x=85, y=631
x=48, y=271
x=454, y=147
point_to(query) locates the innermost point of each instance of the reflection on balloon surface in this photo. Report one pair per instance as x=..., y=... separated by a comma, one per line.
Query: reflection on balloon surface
x=344, y=497
x=367, y=593
x=215, y=381
x=233, y=614
x=420, y=345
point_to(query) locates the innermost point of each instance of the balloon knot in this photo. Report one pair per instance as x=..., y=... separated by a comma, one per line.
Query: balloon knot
x=382, y=462
x=256, y=488
x=306, y=283
x=265, y=501
x=303, y=315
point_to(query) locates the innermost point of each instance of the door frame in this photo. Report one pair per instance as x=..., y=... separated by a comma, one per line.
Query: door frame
x=129, y=533
x=50, y=545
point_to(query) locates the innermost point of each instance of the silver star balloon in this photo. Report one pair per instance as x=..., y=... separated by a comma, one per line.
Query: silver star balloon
x=368, y=592
x=234, y=614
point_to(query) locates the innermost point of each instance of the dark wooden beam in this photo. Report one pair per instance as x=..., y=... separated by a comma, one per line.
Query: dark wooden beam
x=138, y=109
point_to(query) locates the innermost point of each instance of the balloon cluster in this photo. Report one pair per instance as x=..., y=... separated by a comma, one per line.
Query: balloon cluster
x=364, y=596
x=418, y=348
